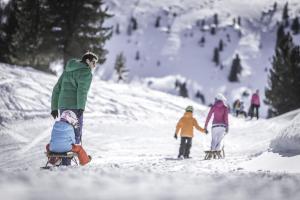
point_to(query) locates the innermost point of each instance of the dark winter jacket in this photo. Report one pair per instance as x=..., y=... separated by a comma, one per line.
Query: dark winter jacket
x=70, y=92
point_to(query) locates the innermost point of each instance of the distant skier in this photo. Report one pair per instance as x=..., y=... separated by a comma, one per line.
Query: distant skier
x=255, y=104
x=63, y=138
x=220, y=122
x=185, y=125
x=70, y=92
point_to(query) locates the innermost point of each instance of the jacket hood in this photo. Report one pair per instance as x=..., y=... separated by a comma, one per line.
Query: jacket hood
x=220, y=103
x=74, y=65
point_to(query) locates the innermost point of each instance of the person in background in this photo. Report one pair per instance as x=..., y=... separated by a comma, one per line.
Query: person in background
x=236, y=107
x=255, y=104
x=239, y=109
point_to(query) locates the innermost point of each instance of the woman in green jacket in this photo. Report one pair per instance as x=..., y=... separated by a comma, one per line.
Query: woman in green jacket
x=71, y=89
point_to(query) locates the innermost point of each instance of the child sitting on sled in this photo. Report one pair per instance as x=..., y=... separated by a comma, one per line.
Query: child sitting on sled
x=186, y=125
x=63, y=138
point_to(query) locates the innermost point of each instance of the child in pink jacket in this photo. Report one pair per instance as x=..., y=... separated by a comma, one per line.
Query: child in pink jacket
x=255, y=104
x=220, y=122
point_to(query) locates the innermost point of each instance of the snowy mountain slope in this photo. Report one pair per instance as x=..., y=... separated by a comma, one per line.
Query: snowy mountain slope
x=129, y=131
x=27, y=94
x=173, y=48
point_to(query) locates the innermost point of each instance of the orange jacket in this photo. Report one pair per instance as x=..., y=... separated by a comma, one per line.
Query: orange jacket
x=186, y=124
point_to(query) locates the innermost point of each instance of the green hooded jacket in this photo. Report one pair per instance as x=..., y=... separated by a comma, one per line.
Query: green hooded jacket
x=70, y=91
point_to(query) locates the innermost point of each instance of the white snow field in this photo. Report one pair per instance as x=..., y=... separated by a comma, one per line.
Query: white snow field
x=128, y=130
x=173, y=52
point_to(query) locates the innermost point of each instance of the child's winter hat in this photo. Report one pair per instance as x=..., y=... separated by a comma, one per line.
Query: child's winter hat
x=189, y=109
x=220, y=97
x=70, y=117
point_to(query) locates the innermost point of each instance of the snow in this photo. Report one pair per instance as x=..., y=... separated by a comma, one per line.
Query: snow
x=128, y=130
x=288, y=140
x=175, y=43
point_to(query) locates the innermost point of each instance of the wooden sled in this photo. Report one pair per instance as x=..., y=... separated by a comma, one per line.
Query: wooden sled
x=214, y=154
x=57, y=157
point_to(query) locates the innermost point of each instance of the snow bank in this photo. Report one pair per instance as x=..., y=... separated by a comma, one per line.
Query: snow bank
x=288, y=141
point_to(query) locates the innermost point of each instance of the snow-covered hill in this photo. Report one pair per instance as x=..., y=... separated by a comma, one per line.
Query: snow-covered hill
x=173, y=49
x=128, y=129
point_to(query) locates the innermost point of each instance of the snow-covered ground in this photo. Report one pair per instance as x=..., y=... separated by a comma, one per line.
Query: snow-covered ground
x=128, y=130
x=173, y=52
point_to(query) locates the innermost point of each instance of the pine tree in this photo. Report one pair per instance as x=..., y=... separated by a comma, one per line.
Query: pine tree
x=285, y=15
x=283, y=92
x=38, y=31
x=137, y=55
x=202, y=41
x=118, y=29
x=157, y=22
x=82, y=27
x=120, y=67
x=233, y=21
x=239, y=21
x=183, y=90
x=216, y=57
x=200, y=96
x=275, y=7
x=236, y=69
x=216, y=19
x=29, y=37
x=228, y=37
x=213, y=30
x=295, y=26
x=79, y=26
x=221, y=45
x=7, y=29
x=280, y=34
x=134, y=24
x=203, y=23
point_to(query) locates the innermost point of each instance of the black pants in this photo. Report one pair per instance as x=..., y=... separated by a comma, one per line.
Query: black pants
x=254, y=107
x=185, y=147
x=238, y=112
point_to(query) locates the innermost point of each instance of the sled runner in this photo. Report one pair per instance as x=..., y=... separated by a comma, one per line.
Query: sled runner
x=55, y=159
x=214, y=154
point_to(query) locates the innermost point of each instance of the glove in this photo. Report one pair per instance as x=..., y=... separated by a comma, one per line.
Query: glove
x=175, y=136
x=206, y=131
x=54, y=113
x=80, y=112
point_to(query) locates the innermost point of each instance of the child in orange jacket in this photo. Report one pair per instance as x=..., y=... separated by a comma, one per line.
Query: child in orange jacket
x=186, y=124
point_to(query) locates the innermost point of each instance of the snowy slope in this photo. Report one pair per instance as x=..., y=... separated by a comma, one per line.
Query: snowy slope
x=128, y=129
x=173, y=49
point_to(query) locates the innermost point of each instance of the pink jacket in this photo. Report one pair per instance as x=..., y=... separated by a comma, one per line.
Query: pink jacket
x=220, y=112
x=255, y=99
